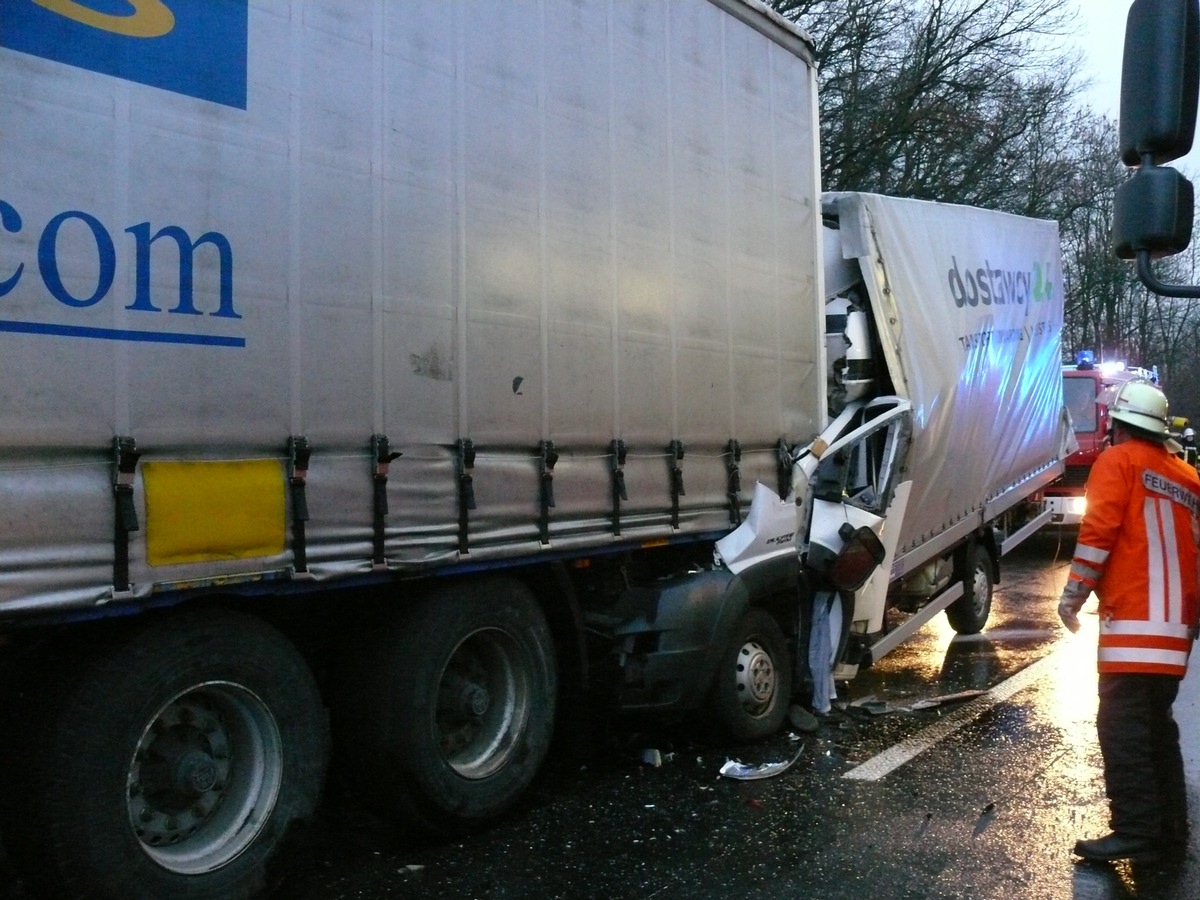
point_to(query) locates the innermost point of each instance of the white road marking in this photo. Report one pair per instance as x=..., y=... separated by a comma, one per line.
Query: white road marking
x=1000, y=634
x=894, y=757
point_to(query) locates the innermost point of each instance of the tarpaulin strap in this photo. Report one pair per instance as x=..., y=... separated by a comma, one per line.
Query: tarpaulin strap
x=126, y=455
x=617, y=449
x=298, y=452
x=546, y=492
x=382, y=452
x=466, y=489
x=677, y=491
x=784, y=462
x=735, y=482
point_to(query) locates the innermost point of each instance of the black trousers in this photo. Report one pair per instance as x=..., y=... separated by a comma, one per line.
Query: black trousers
x=1143, y=766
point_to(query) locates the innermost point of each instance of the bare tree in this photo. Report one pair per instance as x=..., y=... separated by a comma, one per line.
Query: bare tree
x=1107, y=309
x=1099, y=286
x=971, y=101
x=943, y=99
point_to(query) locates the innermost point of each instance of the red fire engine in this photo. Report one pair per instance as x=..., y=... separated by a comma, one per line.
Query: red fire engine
x=1082, y=387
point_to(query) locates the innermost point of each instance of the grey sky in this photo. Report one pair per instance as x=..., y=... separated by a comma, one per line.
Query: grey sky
x=1101, y=37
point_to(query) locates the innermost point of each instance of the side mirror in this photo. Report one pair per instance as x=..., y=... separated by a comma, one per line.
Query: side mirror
x=1160, y=74
x=859, y=557
x=1153, y=211
x=1160, y=82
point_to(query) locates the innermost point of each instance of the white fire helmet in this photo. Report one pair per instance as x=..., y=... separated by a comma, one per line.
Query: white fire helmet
x=1142, y=405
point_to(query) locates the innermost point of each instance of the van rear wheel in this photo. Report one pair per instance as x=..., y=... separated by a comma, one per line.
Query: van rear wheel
x=969, y=613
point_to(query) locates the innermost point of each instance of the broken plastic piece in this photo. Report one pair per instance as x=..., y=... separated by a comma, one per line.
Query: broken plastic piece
x=946, y=698
x=879, y=707
x=739, y=771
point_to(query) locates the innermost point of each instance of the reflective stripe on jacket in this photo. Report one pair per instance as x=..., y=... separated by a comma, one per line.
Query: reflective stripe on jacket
x=1138, y=551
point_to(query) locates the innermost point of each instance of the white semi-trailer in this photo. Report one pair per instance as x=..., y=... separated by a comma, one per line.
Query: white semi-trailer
x=375, y=375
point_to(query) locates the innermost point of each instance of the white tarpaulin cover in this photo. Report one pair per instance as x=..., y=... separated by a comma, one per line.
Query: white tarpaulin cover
x=969, y=305
x=513, y=224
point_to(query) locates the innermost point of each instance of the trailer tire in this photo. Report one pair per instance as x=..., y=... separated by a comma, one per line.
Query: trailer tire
x=447, y=708
x=969, y=613
x=752, y=688
x=169, y=760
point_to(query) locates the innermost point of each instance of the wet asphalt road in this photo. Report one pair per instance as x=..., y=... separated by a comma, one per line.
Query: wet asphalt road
x=972, y=798
x=988, y=808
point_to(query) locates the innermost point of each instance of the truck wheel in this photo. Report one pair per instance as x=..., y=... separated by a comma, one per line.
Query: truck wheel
x=173, y=761
x=753, y=686
x=448, y=709
x=969, y=613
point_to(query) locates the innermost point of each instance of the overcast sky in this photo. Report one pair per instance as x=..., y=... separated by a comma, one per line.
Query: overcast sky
x=1101, y=37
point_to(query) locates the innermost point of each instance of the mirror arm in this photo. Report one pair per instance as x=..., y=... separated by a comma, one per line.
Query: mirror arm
x=1148, y=278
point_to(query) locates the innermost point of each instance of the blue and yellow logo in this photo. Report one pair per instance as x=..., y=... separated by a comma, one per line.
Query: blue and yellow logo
x=192, y=47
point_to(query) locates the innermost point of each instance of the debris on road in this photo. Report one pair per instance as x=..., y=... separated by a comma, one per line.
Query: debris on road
x=740, y=771
x=985, y=819
x=875, y=706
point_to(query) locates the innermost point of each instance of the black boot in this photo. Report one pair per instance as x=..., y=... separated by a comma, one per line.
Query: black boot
x=1116, y=846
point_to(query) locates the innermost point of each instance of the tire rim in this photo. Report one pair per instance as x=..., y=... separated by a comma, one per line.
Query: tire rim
x=204, y=777
x=979, y=590
x=755, y=677
x=484, y=698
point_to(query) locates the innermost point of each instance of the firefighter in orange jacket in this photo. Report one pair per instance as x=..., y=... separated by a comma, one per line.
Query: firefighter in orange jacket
x=1137, y=550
